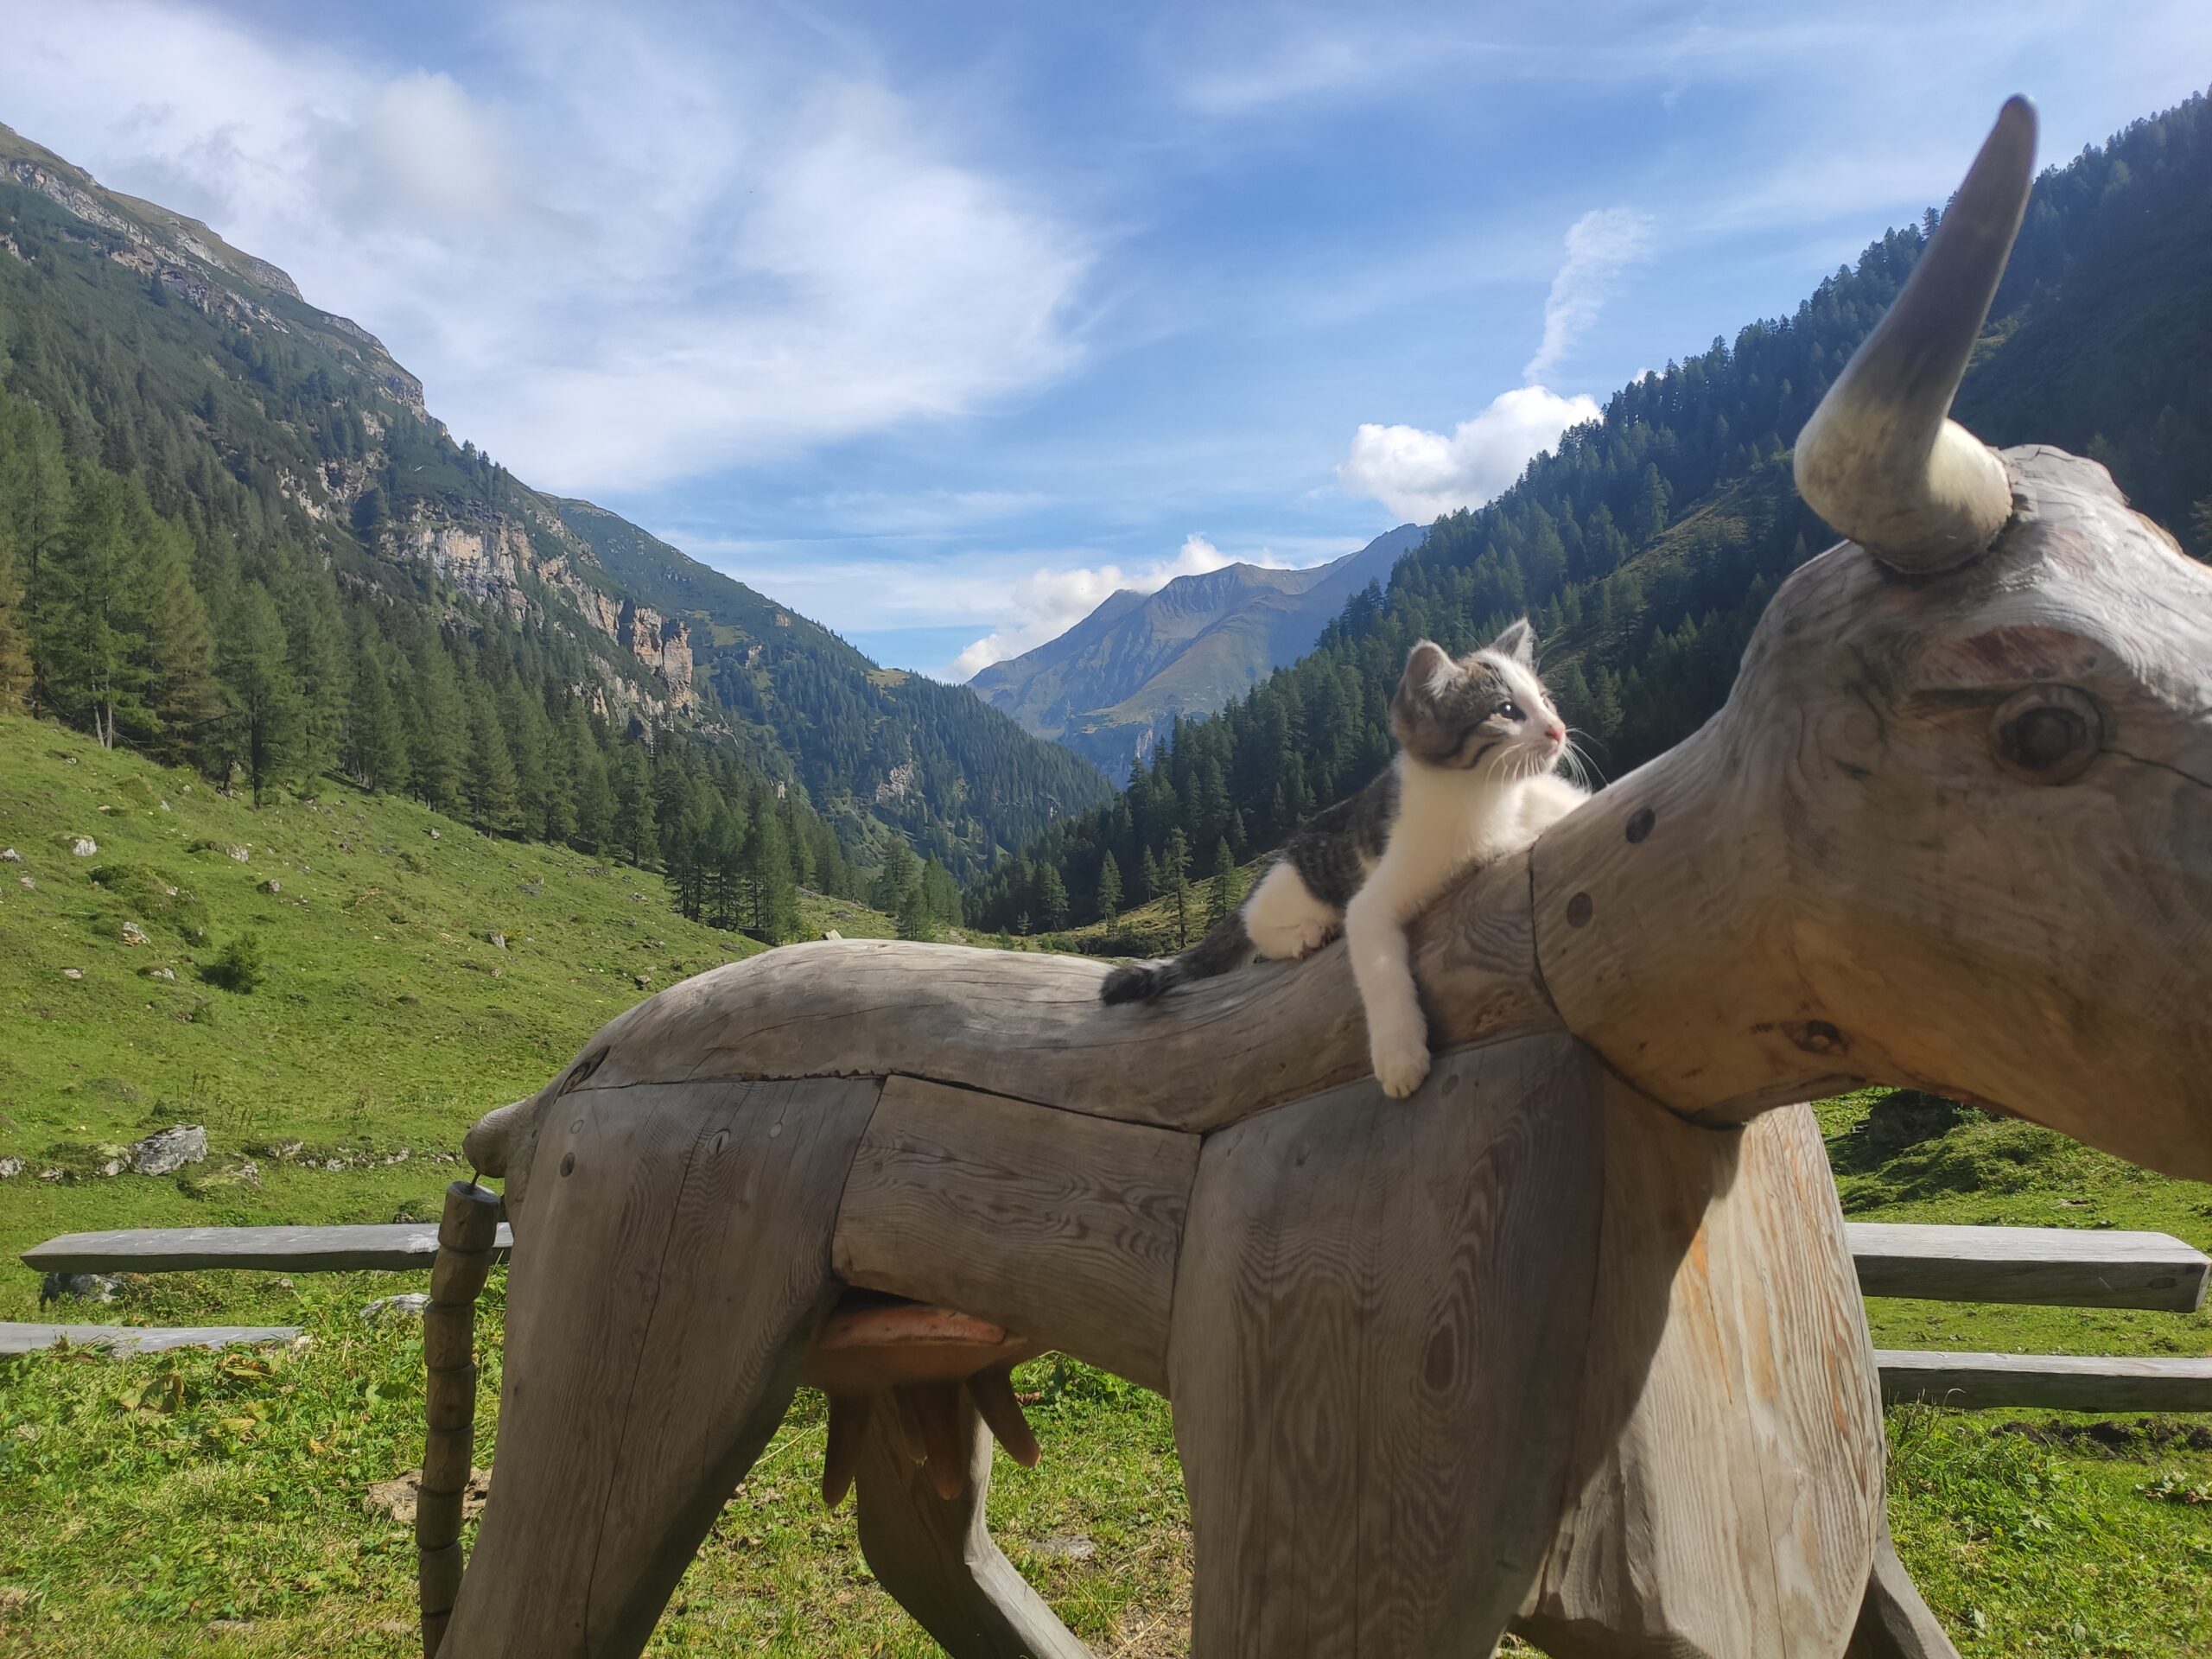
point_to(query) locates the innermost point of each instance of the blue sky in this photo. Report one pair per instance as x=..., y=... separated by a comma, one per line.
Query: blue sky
x=938, y=323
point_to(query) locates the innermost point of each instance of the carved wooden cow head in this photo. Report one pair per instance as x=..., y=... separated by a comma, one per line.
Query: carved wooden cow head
x=1954, y=827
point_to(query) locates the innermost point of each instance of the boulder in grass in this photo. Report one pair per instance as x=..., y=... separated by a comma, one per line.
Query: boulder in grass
x=77, y=1287
x=410, y=1305
x=167, y=1151
x=272, y=885
x=84, y=846
x=9, y=855
x=133, y=934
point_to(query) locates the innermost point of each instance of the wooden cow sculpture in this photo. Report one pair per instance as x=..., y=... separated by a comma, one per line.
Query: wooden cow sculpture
x=1569, y=1341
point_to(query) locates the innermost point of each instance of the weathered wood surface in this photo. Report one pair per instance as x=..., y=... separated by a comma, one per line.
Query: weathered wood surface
x=935, y=1555
x=1029, y=1217
x=1377, y=1303
x=2056, y=1267
x=671, y=1274
x=2054, y=1381
x=1841, y=878
x=31, y=1338
x=1894, y=1622
x=1727, y=1409
x=270, y=1249
x=1032, y=1028
x=466, y=1232
x=2060, y=1267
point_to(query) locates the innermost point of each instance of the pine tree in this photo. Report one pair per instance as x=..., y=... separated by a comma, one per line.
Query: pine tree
x=774, y=895
x=1110, y=889
x=492, y=796
x=15, y=641
x=89, y=648
x=438, y=738
x=376, y=741
x=1175, y=876
x=1052, y=897
x=1222, y=895
x=184, y=696
x=635, y=824
x=263, y=720
x=913, y=914
x=896, y=878
x=315, y=636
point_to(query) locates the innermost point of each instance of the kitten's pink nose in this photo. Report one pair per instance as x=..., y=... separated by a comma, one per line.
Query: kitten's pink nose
x=1557, y=734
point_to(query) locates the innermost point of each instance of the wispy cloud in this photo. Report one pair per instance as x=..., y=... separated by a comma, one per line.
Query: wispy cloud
x=1599, y=244
x=607, y=281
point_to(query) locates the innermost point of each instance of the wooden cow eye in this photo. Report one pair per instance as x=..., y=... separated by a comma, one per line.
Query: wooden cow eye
x=2046, y=734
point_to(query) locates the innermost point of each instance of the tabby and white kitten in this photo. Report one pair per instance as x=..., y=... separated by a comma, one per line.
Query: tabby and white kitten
x=1478, y=740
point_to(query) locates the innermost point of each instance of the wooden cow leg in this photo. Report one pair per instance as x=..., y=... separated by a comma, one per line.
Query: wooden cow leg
x=671, y=1270
x=1894, y=1622
x=936, y=1556
x=1379, y=1313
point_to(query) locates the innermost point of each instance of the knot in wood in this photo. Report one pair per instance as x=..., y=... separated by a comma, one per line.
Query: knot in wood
x=1816, y=1036
x=1579, y=909
x=1640, y=823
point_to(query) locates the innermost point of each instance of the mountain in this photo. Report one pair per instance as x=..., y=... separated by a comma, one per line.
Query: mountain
x=1646, y=544
x=296, y=461
x=1113, y=684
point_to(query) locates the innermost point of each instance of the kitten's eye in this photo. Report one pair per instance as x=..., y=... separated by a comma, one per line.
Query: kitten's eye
x=1511, y=711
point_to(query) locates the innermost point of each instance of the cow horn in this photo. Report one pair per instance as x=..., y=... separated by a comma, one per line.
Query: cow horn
x=1881, y=460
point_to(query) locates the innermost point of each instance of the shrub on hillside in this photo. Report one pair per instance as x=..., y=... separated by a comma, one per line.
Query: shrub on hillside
x=240, y=966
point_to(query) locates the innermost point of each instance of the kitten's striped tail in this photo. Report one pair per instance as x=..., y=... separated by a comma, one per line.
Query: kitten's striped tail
x=1227, y=947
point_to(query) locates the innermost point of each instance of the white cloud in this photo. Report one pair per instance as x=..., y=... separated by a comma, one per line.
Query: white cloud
x=1051, y=601
x=1598, y=245
x=609, y=281
x=1419, y=474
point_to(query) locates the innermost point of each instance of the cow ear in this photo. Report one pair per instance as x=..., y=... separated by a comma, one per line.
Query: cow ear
x=1518, y=641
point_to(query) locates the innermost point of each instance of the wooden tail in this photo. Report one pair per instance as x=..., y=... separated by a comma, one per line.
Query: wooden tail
x=467, y=1233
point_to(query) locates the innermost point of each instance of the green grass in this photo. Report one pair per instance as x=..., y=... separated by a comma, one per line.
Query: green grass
x=195, y=1503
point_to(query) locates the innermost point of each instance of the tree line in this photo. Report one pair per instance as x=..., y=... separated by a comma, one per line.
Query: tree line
x=246, y=665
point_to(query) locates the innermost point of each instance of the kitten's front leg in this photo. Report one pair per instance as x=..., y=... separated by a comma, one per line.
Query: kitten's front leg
x=1382, y=966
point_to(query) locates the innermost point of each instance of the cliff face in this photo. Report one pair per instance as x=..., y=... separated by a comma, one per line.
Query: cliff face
x=492, y=558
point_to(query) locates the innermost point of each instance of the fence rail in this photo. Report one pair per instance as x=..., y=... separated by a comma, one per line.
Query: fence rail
x=2034, y=1265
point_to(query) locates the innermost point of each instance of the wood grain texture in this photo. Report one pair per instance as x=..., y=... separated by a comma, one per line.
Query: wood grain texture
x=1029, y=1218
x=31, y=1338
x=1728, y=1407
x=1377, y=1302
x=670, y=1274
x=402, y=1245
x=2052, y=1267
x=1842, y=879
x=1031, y=1026
x=936, y=1556
x=2055, y=1382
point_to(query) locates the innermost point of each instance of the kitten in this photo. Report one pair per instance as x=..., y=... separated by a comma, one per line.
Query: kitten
x=1473, y=780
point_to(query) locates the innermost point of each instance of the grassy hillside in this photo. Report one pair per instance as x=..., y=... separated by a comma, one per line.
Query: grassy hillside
x=388, y=1019
x=221, y=1505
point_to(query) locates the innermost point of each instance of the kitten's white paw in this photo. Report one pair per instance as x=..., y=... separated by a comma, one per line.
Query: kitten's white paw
x=1400, y=1062
x=1312, y=937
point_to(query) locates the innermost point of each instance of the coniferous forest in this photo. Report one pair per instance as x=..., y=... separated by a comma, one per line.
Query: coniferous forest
x=1647, y=544
x=231, y=537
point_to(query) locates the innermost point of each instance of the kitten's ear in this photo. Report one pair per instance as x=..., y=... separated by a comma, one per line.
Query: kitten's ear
x=1429, y=668
x=1518, y=641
